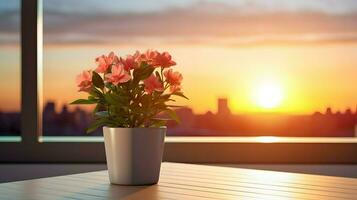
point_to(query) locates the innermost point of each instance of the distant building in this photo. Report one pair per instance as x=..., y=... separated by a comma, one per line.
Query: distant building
x=348, y=111
x=223, y=109
x=187, y=117
x=49, y=111
x=328, y=111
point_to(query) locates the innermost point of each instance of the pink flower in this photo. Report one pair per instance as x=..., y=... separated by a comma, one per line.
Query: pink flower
x=174, y=78
x=84, y=81
x=148, y=56
x=129, y=62
x=163, y=59
x=104, y=62
x=153, y=84
x=118, y=75
x=151, y=55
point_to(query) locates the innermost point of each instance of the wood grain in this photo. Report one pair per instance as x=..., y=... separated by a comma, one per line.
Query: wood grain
x=187, y=181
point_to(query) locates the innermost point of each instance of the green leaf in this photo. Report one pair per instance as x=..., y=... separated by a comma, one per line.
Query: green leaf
x=165, y=96
x=158, y=75
x=95, y=92
x=97, y=108
x=84, y=101
x=142, y=73
x=160, y=106
x=110, y=86
x=158, y=123
x=144, y=64
x=175, y=106
x=173, y=115
x=146, y=73
x=102, y=114
x=109, y=99
x=115, y=99
x=180, y=94
x=91, y=98
x=120, y=120
x=95, y=125
x=99, y=123
x=97, y=80
x=136, y=74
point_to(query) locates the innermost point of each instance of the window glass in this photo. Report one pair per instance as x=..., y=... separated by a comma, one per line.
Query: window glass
x=10, y=68
x=251, y=68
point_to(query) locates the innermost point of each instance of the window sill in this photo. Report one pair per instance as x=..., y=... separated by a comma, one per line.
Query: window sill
x=200, y=139
x=192, y=150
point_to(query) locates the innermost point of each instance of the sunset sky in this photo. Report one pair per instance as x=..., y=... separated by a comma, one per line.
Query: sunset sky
x=265, y=56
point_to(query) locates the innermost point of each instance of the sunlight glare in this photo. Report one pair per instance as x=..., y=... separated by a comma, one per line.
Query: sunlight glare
x=268, y=95
x=267, y=139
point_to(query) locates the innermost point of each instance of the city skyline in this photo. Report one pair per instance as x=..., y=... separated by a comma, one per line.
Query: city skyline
x=326, y=108
x=221, y=123
x=329, y=123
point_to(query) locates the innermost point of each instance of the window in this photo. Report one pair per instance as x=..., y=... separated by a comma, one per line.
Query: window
x=10, y=69
x=269, y=68
x=263, y=67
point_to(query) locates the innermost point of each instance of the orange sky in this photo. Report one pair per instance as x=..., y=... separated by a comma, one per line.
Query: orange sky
x=311, y=77
x=9, y=78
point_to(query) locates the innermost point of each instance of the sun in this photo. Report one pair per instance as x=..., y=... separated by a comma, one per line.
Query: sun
x=268, y=94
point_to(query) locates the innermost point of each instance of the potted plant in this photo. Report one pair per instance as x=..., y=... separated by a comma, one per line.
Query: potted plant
x=130, y=94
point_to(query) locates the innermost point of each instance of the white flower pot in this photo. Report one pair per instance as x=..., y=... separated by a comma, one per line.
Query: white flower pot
x=134, y=155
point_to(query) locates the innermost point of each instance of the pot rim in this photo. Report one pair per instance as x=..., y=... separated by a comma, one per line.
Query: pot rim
x=140, y=128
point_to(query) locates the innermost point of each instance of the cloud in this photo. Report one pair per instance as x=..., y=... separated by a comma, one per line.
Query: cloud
x=200, y=23
x=196, y=25
x=10, y=21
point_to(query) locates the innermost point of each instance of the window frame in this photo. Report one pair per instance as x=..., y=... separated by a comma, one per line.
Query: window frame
x=30, y=149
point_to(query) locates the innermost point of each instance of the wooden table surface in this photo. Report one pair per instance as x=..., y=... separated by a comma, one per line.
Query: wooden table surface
x=187, y=181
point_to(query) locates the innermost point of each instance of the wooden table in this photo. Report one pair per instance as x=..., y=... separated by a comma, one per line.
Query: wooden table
x=187, y=181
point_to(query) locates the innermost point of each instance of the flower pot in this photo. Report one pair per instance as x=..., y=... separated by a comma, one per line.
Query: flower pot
x=134, y=155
